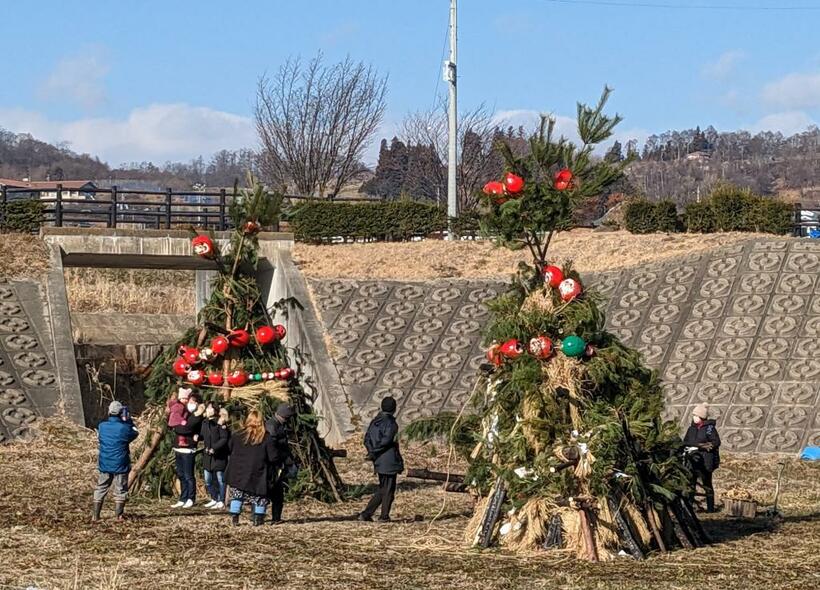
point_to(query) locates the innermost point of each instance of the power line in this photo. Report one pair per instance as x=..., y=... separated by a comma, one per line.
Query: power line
x=667, y=5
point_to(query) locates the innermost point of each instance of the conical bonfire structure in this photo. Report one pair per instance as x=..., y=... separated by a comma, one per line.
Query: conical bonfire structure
x=565, y=443
x=236, y=354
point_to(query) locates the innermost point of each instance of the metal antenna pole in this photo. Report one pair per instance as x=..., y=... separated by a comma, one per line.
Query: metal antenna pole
x=452, y=152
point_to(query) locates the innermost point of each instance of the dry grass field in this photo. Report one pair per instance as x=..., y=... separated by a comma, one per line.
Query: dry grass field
x=149, y=291
x=47, y=540
x=435, y=259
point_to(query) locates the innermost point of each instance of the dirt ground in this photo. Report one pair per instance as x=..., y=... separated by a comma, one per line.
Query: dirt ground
x=47, y=540
x=435, y=259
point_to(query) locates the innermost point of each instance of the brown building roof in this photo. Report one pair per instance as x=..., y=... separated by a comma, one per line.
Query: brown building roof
x=45, y=185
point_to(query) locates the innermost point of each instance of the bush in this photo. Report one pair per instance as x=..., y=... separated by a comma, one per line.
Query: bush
x=731, y=208
x=772, y=217
x=699, y=217
x=321, y=221
x=23, y=216
x=644, y=217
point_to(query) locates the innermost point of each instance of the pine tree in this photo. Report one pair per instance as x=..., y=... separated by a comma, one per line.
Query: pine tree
x=567, y=446
x=237, y=356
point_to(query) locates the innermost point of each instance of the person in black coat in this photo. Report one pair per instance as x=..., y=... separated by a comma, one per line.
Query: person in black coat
x=186, y=436
x=285, y=469
x=702, y=447
x=215, y=436
x=383, y=449
x=250, y=464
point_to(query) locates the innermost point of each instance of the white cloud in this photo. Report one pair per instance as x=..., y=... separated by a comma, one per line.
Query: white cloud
x=788, y=123
x=724, y=65
x=157, y=132
x=79, y=79
x=794, y=91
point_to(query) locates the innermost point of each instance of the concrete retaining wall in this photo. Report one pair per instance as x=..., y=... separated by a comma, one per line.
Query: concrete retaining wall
x=738, y=327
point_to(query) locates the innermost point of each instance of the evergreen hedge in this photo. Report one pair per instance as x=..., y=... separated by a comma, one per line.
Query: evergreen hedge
x=322, y=221
x=23, y=216
x=645, y=217
x=731, y=208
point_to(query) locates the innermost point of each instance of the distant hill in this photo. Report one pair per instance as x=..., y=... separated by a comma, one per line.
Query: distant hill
x=23, y=156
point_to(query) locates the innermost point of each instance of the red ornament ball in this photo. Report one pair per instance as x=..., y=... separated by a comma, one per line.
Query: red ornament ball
x=237, y=378
x=284, y=374
x=563, y=179
x=511, y=349
x=215, y=378
x=196, y=377
x=181, y=367
x=251, y=227
x=495, y=189
x=494, y=355
x=192, y=356
x=569, y=289
x=553, y=276
x=239, y=338
x=220, y=345
x=541, y=347
x=265, y=335
x=203, y=246
x=279, y=331
x=513, y=183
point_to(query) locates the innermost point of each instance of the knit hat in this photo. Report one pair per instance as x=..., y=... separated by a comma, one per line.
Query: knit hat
x=389, y=404
x=284, y=411
x=183, y=393
x=701, y=411
x=114, y=408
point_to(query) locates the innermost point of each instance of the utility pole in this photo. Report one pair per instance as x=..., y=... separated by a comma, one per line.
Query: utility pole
x=452, y=117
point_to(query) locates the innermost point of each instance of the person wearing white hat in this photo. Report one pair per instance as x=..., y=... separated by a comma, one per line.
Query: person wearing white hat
x=115, y=434
x=702, y=444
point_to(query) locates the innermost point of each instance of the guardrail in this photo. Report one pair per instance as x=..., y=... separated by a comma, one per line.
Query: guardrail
x=141, y=209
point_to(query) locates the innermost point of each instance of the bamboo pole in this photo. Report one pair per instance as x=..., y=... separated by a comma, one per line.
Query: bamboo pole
x=655, y=526
x=147, y=453
x=624, y=530
x=435, y=475
x=681, y=534
x=589, y=539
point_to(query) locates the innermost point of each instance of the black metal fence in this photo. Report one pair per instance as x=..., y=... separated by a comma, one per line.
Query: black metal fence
x=139, y=209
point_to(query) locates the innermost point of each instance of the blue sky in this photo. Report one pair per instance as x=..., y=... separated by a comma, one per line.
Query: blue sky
x=167, y=80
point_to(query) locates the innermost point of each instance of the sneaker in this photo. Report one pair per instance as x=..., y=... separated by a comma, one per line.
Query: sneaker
x=179, y=504
x=210, y=504
x=188, y=504
x=218, y=506
x=365, y=518
x=384, y=519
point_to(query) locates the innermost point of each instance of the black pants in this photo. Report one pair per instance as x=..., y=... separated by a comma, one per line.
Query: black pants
x=185, y=472
x=384, y=496
x=276, y=493
x=699, y=472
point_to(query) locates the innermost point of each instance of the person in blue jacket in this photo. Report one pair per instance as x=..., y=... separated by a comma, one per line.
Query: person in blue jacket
x=115, y=434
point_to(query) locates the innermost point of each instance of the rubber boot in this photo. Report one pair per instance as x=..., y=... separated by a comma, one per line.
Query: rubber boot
x=234, y=519
x=97, y=510
x=258, y=519
x=119, y=508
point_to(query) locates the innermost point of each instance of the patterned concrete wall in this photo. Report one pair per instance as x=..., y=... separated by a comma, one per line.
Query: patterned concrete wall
x=738, y=327
x=28, y=381
x=416, y=341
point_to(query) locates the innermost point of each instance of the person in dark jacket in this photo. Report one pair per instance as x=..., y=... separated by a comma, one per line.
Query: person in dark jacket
x=215, y=436
x=115, y=434
x=285, y=469
x=383, y=449
x=250, y=464
x=185, y=442
x=702, y=446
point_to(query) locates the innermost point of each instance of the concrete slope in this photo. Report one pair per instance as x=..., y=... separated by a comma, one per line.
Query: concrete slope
x=738, y=327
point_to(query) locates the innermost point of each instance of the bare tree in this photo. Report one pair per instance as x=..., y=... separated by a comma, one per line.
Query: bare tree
x=477, y=160
x=315, y=121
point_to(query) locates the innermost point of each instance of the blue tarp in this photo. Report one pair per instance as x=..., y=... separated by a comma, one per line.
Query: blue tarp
x=810, y=454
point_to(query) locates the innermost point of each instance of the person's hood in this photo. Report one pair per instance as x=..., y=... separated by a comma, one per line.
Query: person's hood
x=383, y=417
